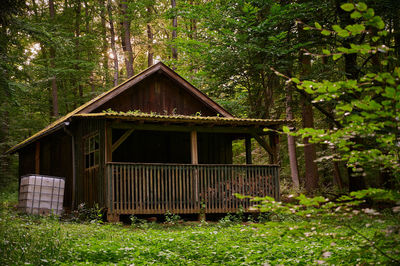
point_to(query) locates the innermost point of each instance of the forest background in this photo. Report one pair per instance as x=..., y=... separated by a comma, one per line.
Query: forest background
x=251, y=56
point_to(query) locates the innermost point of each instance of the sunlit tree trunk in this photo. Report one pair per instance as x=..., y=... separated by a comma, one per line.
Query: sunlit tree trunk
x=126, y=38
x=294, y=171
x=112, y=33
x=104, y=42
x=174, y=50
x=150, y=38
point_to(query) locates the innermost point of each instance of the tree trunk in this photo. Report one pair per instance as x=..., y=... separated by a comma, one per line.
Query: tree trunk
x=114, y=50
x=174, y=34
x=54, y=90
x=5, y=97
x=126, y=38
x=193, y=26
x=104, y=42
x=291, y=141
x=356, y=180
x=336, y=175
x=77, y=52
x=310, y=155
x=150, y=37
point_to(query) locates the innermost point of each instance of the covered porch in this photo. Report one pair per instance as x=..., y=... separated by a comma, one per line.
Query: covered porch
x=183, y=164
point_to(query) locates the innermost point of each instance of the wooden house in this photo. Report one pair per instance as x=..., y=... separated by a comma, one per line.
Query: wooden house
x=153, y=144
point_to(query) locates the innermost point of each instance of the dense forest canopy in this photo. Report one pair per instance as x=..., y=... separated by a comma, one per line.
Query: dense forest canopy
x=329, y=65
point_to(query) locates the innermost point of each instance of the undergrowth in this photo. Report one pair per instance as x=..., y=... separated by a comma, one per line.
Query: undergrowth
x=44, y=241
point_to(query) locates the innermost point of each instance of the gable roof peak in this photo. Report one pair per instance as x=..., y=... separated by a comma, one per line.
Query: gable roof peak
x=104, y=97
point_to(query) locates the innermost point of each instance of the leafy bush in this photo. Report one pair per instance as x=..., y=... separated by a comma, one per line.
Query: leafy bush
x=365, y=109
x=84, y=213
x=171, y=218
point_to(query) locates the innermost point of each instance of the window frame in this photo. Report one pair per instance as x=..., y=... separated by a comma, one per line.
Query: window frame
x=91, y=153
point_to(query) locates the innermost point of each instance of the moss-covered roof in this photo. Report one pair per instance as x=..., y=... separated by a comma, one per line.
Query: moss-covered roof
x=181, y=119
x=59, y=122
x=84, y=110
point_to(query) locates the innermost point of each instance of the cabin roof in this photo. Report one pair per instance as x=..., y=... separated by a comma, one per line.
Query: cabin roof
x=85, y=109
x=185, y=119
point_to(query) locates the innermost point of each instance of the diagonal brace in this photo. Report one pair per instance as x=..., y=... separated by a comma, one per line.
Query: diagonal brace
x=121, y=139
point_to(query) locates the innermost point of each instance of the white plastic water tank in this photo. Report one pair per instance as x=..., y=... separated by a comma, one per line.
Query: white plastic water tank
x=40, y=194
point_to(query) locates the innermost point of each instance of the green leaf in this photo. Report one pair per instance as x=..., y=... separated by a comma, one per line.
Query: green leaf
x=355, y=15
x=361, y=6
x=336, y=56
x=369, y=14
x=318, y=26
x=295, y=80
x=344, y=33
x=375, y=38
x=355, y=29
x=337, y=28
x=286, y=129
x=325, y=51
x=326, y=32
x=347, y=7
x=390, y=92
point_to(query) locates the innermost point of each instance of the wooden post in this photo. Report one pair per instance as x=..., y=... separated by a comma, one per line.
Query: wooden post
x=248, y=150
x=37, y=158
x=108, y=144
x=274, y=144
x=108, y=173
x=193, y=147
x=195, y=161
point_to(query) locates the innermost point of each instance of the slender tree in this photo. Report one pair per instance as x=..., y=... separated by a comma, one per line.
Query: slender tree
x=150, y=37
x=126, y=37
x=79, y=88
x=294, y=171
x=174, y=50
x=113, y=48
x=54, y=90
x=104, y=42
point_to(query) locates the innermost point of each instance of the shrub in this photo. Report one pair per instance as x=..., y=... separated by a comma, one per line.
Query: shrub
x=171, y=218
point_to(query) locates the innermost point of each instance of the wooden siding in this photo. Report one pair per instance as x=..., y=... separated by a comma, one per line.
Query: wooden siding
x=55, y=159
x=90, y=183
x=158, y=94
x=157, y=188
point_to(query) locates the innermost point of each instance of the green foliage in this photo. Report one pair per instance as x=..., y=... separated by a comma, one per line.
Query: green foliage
x=42, y=241
x=84, y=213
x=319, y=206
x=171, y=218
x=366, y=108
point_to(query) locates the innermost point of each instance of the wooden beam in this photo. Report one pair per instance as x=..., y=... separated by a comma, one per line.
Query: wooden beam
x=121, y=139
x=193, y=147
x=263, y=144
x=248, y=149
x=184, y=128
x=37, y=158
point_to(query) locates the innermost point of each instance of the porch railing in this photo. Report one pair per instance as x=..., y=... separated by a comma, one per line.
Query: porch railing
x=136, y=188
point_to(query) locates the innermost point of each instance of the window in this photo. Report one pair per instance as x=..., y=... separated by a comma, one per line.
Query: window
x=92, y=151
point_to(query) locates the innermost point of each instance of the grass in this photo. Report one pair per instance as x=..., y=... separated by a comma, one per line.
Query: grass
x=47, y=241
